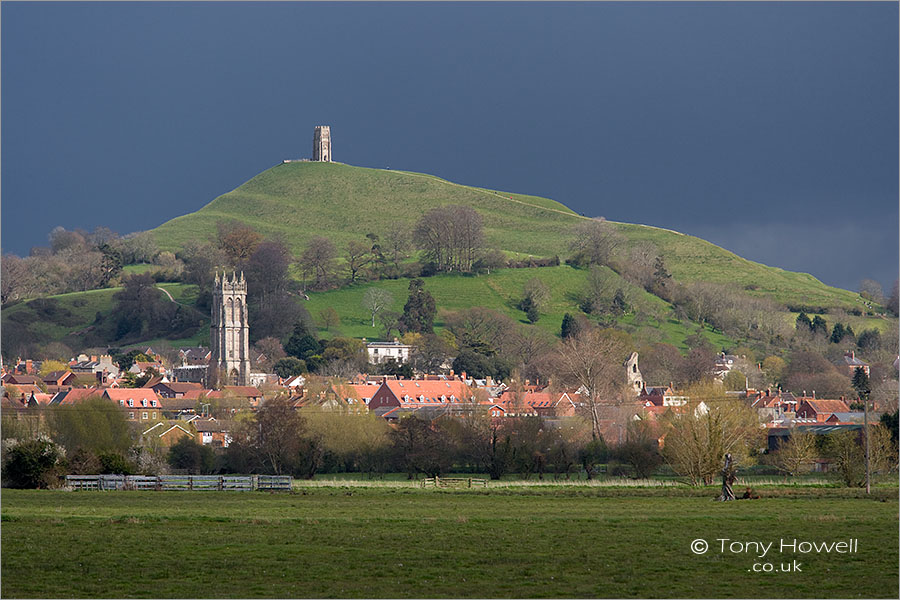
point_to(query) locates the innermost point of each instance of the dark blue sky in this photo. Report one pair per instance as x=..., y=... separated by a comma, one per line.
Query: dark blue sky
x=768, y=128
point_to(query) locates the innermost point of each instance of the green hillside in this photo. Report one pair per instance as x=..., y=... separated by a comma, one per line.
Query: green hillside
x=297, y=201
x=305, y=199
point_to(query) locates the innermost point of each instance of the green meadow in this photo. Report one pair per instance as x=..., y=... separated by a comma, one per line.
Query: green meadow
x=540, y=541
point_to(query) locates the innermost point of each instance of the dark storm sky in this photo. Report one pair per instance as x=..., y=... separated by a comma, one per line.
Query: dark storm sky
x=768, y=128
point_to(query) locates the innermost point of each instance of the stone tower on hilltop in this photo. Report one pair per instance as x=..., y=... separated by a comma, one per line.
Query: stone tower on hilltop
x=322, y=144
x=229, y=331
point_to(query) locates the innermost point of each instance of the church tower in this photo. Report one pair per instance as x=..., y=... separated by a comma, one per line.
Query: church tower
x=633, y=373
x=322, y=144
x=229, y=331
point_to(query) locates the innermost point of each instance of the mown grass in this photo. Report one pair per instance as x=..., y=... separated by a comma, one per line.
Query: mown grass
x=298, y=201
x=334, y=542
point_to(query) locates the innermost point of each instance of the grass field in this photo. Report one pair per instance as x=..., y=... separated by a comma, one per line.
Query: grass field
x=574, y=541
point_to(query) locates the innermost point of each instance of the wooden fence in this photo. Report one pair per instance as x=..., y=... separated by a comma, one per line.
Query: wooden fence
x=446, y=482
x=235, y=483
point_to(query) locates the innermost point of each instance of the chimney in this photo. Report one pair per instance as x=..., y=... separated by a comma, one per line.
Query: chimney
x=29, y=366
x=462, y=375
x=94, y=357
x=451, y=372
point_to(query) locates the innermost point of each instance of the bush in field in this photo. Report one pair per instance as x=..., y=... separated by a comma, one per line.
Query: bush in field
x=195, y=458
x=113, y=463
x=32, y=464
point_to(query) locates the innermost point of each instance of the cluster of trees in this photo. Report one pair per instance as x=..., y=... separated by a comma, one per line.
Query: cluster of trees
x=845, y=451
x=88, y=438
x=76, y=261
x=451, y=237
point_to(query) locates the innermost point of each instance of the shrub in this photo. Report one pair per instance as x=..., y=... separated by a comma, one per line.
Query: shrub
x=32, y=464
x=113, y=463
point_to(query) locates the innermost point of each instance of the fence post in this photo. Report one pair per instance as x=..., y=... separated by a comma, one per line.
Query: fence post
x=470, y=482
x=221, y=483
x=191, y=483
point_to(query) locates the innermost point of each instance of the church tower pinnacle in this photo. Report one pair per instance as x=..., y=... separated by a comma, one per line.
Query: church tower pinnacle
x=229, y=329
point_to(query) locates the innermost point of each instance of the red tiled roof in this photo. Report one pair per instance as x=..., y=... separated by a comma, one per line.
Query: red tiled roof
x=135, y=394
x=241, y=390
x=826, y=406
x=76, y=395
x=418, y=392
x=357, y=391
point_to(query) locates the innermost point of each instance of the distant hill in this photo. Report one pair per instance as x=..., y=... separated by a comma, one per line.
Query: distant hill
x=305, y=199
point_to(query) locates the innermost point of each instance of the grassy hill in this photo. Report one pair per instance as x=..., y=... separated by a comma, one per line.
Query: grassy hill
x=301, y=200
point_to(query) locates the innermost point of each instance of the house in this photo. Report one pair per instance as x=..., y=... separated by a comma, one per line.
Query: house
x=166, y=389
x=724, y=364
x=543, y=404
x=19, y=379
x=94, y=364
x=820, y=410
x=191, y=374
x=295, y=382
x=247, y=393
x=841, y=418
x=141, y=367
x=260, y=379
x=851, y=363
x=194, y=355
x=59, y=379
x=140, y=404
x=167, y=433
x=380, y=352
x=350, y=395
x=177, y=408
x=414, y=394
x=773, y=404
x=75, y=396
x=212, y=432
x=661, y=396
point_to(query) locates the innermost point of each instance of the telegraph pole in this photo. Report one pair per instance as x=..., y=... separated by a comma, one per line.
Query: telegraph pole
x=861, y=384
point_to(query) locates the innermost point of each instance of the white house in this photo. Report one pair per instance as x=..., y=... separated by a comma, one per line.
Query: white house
x=380, y=352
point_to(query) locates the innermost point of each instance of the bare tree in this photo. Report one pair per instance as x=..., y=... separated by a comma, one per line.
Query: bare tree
x=376, y=300
x=537, y=292
x=396, y=247
x=593, y=359
x=237, y=240
x=796, y=455
x=450, y=237
x=358, y=255
x=595, y=242
x=871, y=290
x=318, y=260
